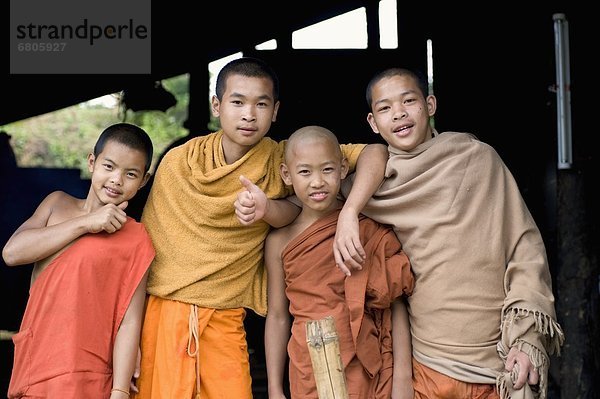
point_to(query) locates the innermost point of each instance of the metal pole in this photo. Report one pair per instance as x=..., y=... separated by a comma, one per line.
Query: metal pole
x=563, y=91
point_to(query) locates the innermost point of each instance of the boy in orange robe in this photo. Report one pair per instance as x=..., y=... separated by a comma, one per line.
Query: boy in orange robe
x=80, y=332
x=299, y=258
x=208, y=270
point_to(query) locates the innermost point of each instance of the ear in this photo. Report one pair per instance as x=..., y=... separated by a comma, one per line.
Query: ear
x=91, y=160
x=372, y=123
x=431, y=105
x=214, y=106
x=145, y=180
x=285, y=174
x=344, y=168
x=276, y=109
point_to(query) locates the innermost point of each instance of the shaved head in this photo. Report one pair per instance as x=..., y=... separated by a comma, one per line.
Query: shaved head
x=311, y=135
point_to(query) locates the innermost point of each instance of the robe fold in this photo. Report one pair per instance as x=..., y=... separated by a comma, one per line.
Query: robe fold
x=483, y=283
x=360, y=304
x=64, y=347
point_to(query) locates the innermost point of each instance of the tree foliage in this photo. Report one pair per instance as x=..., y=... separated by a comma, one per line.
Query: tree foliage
x=64, y=138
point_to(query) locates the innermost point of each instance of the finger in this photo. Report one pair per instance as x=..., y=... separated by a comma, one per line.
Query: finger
x=246, y=183
x=246, y=200
x=120, y=221
x=243, y=218
x=534, y=377
x=510, y=360
x=123, y=205
x=354, y=256
x=360, y=250
x=138, y=365
x=353, y=264
x=521, y=377
x=339, y=262
x=121, y=218
x=116, y=224
x=508, y=365
x=243, y=209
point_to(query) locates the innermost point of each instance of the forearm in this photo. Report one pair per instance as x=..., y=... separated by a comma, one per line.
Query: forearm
x=369, y=173
x=277, y=329
x=127, y=341
x=31, y=245
x=280, y=212
x=401, y=341
x=124, y=355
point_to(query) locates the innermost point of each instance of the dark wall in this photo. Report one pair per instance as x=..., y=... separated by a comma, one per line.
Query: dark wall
x=492, y=77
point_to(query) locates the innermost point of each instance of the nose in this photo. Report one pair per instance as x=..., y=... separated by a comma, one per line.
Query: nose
x=317, y=181
x=248, y=114
x=116, y=178
x=399, y=113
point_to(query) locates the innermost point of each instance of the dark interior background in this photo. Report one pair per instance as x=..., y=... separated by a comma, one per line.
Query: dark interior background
x=494, y=70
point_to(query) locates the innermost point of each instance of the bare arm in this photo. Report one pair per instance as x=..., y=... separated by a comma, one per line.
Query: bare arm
x=402, y=387
x=35, y=240
x=127, y=342
x=370, y=171
x=252, y=205
x=277, y=326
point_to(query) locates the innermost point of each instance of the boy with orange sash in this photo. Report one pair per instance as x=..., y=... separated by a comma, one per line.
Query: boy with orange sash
x=79, y=337
x=299, y=260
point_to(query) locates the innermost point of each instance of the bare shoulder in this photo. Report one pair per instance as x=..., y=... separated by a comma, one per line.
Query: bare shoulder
x=59, y=197
x=278, y=238
x=45, y=210
x=61, y=206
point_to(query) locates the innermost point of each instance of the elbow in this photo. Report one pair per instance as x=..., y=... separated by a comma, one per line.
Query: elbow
x=379, y=149
x=14, y=257
x=9, y=257
x=374, y=154
x=279, y=319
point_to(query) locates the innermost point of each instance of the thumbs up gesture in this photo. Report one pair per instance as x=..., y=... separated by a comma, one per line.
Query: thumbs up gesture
x=251, y=203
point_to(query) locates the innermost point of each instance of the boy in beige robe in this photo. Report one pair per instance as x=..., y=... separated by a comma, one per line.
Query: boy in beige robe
x=482, y=312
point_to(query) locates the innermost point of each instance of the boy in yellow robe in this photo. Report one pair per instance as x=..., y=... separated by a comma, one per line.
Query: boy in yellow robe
x=209, y=267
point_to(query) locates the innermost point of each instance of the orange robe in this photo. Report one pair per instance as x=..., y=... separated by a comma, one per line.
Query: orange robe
x=359, y=304
x=65, y=344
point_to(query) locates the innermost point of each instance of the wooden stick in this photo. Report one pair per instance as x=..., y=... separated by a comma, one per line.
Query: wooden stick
x=324, y=349
x=6, y=335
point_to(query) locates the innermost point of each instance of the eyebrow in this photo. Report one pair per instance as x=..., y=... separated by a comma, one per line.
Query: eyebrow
x=106, y=159
x=261, y=97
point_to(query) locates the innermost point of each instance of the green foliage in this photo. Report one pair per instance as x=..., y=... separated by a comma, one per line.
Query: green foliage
x=64, y=138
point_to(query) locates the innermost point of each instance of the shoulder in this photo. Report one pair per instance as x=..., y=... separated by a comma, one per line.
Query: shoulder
x=57, y=207
x=278, y=237
x=274, y=244
x=272, y=145
x=468, y=141
x=60, y=199
x=59, y=196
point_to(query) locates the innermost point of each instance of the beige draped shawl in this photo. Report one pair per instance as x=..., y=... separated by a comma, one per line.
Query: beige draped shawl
x=482, y=282
x=204, y=256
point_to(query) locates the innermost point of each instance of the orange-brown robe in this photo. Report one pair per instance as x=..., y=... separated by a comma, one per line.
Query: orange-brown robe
x=360, y=304
x=65, y=344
